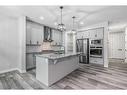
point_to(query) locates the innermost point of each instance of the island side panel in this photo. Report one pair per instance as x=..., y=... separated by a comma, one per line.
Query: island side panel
x=42, y=70
x=62, y=68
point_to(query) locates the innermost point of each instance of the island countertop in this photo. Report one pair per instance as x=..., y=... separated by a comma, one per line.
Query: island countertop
x=57, y=56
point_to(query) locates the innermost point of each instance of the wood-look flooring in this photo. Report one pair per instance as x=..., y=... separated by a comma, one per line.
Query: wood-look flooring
x=87, y=76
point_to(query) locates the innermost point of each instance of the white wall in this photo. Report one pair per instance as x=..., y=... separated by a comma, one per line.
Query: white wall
x=12, y=43
x=9, y=43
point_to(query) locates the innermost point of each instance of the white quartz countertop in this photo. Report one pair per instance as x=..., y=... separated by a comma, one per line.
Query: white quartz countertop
x=57, y=56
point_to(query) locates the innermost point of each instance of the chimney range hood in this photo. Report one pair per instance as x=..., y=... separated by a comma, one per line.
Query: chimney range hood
x=47, y=34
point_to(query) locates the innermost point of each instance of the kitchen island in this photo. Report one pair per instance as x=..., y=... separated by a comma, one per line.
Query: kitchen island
x=50, y=68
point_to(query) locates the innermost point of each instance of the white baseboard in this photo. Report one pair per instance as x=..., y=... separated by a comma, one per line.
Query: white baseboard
x=5, y=71
x=21, y=71
x=13, y=69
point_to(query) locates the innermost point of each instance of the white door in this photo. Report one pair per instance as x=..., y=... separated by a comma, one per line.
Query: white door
x=117, y=45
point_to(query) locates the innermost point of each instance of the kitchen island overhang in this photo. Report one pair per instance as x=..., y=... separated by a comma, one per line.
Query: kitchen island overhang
x=50, y=68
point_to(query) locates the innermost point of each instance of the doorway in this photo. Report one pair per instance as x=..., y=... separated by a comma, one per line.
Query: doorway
x=117, y=47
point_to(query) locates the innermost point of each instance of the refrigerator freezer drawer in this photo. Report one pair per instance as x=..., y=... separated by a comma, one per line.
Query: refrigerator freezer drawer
x=96, y=60
x=83, y=59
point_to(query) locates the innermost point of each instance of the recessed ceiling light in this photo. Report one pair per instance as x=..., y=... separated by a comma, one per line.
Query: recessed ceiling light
x=81, y=23
x=42, y=18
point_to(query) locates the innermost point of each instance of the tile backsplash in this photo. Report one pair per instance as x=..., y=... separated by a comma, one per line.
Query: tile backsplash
x=44, y=46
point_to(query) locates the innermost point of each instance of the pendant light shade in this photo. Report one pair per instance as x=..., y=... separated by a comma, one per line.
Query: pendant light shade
x=73, y=27
x=61, y=27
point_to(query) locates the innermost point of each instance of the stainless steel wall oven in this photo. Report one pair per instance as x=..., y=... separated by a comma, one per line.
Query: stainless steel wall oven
x=96, y=51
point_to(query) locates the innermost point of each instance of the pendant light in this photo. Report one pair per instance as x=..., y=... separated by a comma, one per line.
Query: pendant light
x=61, y=26
x=73, y=28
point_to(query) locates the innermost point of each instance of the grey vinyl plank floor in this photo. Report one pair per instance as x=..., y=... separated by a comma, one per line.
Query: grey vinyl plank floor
x=87, y=76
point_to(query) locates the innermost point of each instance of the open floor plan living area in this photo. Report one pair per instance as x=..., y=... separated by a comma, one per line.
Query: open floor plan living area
x=63, y=47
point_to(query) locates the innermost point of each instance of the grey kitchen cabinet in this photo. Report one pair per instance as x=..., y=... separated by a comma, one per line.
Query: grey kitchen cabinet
x=30, y=58
x=28, y=34
x=37, y=35
x=96, y=60
x=34, y=33
x=57, y=37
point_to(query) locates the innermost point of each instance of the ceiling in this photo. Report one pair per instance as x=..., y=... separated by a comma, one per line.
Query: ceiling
x=85, y=15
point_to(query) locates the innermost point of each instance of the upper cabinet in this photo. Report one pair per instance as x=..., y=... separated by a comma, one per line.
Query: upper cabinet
x=96, y=33
x=100, y=33
x=91, y=33
x=83, y=34
x=79, y=35
x=37, y=33
x=57, y=37
x=86, y=34
x=47, y=34
x=34, y=33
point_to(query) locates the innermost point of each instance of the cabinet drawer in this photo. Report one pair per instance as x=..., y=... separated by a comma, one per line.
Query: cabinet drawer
x=30, y=61
x=96, y=60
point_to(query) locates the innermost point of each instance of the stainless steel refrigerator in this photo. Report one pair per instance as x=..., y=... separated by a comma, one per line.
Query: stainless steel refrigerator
x=83, y=47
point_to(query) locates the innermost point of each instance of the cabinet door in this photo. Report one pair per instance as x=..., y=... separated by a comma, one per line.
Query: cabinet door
x=92, y=34
x=38, y=36
x=34, y=36
x=96, y=33
x=99, y=33
x=60, y=38
x=57, y=37
x=29, y=61
x=96, y=60
x=80, y=35
x=28, y=34
x=54, y=36
x=34, y=33
x=85, y=34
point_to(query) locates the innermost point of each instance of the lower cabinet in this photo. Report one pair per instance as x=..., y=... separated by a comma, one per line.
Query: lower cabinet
x=96, y=60
x=30, y=61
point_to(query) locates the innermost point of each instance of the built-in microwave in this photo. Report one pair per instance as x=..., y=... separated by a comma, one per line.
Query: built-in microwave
x=96, y=41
